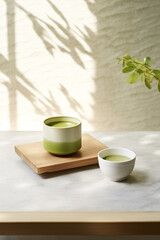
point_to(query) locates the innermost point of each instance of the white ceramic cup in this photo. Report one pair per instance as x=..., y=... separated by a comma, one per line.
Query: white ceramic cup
x=116, y=171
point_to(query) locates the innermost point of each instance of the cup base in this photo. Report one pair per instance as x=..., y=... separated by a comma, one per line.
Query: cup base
x=118, y=180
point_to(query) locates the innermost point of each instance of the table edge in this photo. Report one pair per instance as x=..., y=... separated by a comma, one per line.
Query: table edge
x=80, y=216
x=80, y=223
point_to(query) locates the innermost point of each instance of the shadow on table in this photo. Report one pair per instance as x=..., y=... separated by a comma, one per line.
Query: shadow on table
x=137, y=177
x=68, y=171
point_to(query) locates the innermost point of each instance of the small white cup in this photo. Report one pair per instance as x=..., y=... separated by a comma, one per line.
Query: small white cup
x=116, y=171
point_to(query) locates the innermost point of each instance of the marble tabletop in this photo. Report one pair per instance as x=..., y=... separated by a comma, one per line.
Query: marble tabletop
x=81, y=189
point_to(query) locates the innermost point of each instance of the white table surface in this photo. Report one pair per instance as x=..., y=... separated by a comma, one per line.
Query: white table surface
x=81, y=189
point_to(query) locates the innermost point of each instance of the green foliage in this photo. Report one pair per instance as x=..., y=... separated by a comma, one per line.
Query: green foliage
x=159, y=86
x=139, y=69
x=147, y=83
x=156, y=73
x=128, y=69
x=147, y=60
x=133, y=77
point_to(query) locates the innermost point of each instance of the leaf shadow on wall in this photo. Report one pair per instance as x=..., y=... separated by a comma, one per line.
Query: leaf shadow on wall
x=116, y=20
x=73, y=103
x=18, y=83
x=105, y=45
x=41, y=104
x=69, y=43
x=28, y=91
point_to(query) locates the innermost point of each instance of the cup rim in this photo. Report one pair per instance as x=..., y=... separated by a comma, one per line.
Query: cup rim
x=58, y=117
x=117, y=163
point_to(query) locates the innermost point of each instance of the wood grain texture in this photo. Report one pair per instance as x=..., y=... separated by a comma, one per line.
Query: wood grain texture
x=41, y=161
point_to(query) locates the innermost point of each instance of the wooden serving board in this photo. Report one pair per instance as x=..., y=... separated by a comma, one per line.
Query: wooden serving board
x=41, y=161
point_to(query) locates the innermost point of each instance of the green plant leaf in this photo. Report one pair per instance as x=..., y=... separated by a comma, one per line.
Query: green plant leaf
x=147, y=71
x=137, y=60
x=159, y=86
x=128, y=69
x=119, y=60
x=156, y=73
x=130, y=63
x=147, y=60
x=148, y=85
x=133, y=77
x=140, y=71
x=149, y=77
x=142, y=76
x=127, y=57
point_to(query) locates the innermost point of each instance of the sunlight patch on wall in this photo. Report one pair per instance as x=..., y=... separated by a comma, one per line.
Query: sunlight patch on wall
x=52, y=62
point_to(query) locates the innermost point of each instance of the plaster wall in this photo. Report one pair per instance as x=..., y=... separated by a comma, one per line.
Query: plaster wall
x=58, y=57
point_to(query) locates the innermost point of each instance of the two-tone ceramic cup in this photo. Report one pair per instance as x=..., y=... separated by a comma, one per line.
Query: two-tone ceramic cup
x=62, y=135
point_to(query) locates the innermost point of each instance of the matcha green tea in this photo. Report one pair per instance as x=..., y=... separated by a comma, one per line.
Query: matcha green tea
x=62, y=124
x=116, y=158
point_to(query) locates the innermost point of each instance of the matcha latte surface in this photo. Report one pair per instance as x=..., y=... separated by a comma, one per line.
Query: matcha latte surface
x=62, y=124
x=116, y=158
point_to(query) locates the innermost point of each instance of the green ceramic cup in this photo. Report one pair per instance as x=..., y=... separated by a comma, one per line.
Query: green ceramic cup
x=62, y=135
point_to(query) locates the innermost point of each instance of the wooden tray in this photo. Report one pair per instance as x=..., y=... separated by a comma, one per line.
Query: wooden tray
x=41, y=161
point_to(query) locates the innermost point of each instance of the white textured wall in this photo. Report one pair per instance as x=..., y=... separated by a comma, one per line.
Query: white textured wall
x=58, y=57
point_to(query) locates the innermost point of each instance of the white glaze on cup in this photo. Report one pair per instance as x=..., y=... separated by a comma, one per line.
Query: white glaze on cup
x=116, y=171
